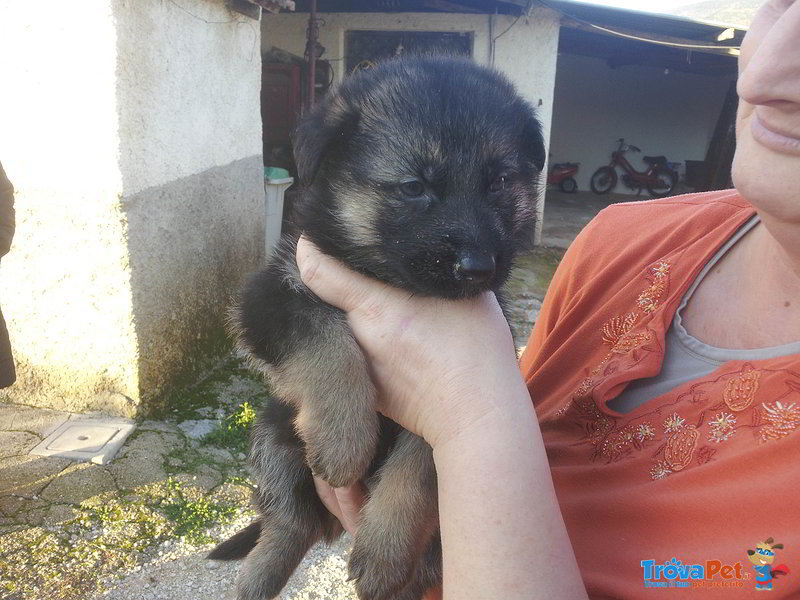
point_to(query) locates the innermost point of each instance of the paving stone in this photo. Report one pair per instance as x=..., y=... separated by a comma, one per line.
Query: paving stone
x=14, y=417
x=10, y=504
x=28, y=475
x=217, y=454
x=164, y=426
x=99, y=500
x=7, y=527
x=151, y=444
x=33, y=512
x=58, y=514
x=197, y=429
x=143, y=459
x=203, y=478
x=16, y=443
x=130, y=474
x=79, y=482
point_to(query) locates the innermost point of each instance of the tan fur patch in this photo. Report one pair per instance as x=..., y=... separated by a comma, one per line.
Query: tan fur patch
x=330, y=386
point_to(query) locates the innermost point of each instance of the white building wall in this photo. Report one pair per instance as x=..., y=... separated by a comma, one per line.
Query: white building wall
x=525, y=49
x=185, y=89
x=65, y=284
x=673, y=113
x=132, y=133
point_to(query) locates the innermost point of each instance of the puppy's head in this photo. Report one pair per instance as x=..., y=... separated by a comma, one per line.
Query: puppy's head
x=422, y=173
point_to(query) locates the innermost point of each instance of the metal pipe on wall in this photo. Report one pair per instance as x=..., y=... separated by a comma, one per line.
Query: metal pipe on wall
x=311, y=54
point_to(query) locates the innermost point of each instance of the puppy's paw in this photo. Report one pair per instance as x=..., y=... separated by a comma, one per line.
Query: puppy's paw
x=260, y=586
x=379, y=573
x=341, y=456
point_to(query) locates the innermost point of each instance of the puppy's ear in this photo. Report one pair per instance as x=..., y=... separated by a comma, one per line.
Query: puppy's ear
x=532, y=140
x=326, y=127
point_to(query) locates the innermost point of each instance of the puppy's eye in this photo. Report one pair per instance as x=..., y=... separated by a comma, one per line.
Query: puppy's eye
x=412, y=188
x=499, y=183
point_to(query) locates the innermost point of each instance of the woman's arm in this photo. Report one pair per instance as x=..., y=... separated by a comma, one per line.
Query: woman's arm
x=448, y=372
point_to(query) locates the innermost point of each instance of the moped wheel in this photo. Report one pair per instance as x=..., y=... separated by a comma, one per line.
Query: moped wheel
x=568, y=185
x=603, y=180
x=667, y=179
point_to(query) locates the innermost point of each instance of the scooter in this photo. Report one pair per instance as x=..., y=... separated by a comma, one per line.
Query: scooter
x=659, y=179
x=561, y=174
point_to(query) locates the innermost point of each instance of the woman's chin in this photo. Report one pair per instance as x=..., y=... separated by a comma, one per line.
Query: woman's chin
x=769, y=180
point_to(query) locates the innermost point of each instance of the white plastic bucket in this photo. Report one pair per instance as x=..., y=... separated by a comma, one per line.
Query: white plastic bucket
x=273, y=215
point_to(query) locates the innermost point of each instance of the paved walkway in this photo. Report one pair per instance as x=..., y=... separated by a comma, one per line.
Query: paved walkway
x=138, y=527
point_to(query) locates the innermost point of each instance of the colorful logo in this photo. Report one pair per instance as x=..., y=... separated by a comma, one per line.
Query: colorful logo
x=762, y=558
x=716, y=574
x=709, y=574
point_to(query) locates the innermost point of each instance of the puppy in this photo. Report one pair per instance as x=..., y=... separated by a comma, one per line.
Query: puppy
x=421, y=173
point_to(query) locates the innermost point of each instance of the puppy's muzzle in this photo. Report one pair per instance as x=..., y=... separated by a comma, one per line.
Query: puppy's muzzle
x=475, y=267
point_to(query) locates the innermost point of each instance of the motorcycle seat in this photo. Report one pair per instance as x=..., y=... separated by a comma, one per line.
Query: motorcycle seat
x=655, y=160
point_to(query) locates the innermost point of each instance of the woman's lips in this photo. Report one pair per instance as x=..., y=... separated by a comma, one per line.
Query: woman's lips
x=779, y=142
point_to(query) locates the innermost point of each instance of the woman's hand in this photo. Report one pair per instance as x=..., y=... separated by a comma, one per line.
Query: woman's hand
x=438, y=364
x=447, y=370
x=343, y=503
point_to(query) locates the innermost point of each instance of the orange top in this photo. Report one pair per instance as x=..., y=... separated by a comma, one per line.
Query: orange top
x=701, y=474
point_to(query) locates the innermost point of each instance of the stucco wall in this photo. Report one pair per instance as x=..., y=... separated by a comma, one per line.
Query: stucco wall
x=526, y=52
x=133, y=137
x=672, y=114
x=190, y=157
x=65, y=285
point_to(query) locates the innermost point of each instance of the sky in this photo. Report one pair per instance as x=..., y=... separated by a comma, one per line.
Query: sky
x=643, y=5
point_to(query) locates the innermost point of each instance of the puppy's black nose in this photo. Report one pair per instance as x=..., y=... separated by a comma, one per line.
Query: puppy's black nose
x=475, y=267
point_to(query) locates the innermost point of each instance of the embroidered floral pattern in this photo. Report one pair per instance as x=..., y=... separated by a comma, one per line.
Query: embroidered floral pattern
x=720, y=435
x=673, y=423
x=618, y=327
x=716, y=406
x=645, y=431
x=649, y=299
x=680, y=447
x=740, y=391
x=782, y=419
x=617, y=332
x=660, y=470
x=617, y=444
x=705, y=454
x=631, y=342
x=723, y=421
x=721, y=428
x=660, y=270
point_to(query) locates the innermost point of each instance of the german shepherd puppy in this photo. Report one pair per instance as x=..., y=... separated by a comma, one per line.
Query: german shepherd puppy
x=423, y=174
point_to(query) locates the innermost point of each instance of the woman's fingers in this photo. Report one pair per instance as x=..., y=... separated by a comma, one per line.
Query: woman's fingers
x=344, y=503
x=333, y=282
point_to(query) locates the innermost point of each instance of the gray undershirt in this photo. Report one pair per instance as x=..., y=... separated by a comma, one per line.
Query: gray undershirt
x=685, y=357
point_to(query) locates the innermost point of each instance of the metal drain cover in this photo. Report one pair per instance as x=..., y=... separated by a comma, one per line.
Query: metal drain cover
x=87, y=439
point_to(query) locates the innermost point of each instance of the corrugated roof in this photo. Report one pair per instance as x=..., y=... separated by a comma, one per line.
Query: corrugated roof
x=672, y=25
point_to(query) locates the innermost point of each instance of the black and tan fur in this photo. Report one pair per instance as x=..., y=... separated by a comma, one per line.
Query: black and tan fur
x=421, y=173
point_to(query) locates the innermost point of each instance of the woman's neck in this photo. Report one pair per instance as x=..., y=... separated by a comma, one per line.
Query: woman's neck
x=750, y=299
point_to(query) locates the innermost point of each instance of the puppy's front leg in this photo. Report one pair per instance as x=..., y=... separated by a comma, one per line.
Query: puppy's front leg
x=327, y=381
x=398, y=522
x=315, y=366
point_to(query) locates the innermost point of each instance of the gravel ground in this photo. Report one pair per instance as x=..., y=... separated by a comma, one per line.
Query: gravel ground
x=321, y=576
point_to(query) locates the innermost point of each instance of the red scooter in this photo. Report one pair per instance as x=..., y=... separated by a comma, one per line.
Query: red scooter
x=562, y=174
x=659, y=178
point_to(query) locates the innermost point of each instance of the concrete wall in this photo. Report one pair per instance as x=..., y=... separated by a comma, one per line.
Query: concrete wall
x=672, y=114
x=526, y=52
x=133, y=137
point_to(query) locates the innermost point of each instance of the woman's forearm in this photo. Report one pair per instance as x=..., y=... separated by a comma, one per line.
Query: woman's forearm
x=502, y=531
